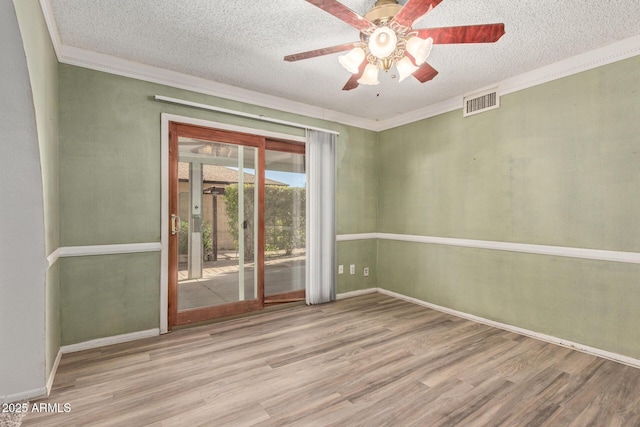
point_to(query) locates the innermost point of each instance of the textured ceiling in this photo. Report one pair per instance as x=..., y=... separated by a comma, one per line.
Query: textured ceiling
x=242, y=43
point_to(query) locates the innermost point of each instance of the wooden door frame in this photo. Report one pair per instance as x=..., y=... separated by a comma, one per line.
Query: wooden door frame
x=175, y=126
x=183, y=317
x=294, y=148
x=165, y=119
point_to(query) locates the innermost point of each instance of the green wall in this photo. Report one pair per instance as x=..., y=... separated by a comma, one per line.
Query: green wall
x=357, y=192
x=362, y=253
x=110, y=192
x=556, y=164
x=43, y=75
x=356, y=209
x=108, y=295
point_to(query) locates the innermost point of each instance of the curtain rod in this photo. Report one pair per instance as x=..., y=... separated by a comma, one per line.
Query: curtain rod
x=240, y=113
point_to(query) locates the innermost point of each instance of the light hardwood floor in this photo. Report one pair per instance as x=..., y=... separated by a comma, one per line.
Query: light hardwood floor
x=371, y=360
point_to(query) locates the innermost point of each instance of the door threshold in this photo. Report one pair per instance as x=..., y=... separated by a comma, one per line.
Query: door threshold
x=266, y=309
x=271, y=302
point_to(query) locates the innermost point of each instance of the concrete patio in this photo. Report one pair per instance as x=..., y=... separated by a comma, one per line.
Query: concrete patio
x=219, y=282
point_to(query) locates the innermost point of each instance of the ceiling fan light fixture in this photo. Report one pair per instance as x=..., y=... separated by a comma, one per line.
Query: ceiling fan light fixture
x=405, y=68
x=352, y=60
x=382, y=42
x=370, y=75
x=419, y=48
x=387, y=37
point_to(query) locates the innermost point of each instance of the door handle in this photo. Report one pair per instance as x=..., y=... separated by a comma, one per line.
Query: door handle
x=175, y=224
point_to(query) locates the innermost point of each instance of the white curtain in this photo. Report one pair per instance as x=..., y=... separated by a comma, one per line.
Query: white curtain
x=321, y=217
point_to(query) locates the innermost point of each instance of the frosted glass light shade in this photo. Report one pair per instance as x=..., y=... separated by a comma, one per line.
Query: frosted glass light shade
x=405, y=68
x=370, y=75
x=419, y=48
x=382, y=42
x=352, y=60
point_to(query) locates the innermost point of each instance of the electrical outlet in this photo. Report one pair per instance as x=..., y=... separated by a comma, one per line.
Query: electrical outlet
x=366, y=272
x=340, y=269
x=352, y=269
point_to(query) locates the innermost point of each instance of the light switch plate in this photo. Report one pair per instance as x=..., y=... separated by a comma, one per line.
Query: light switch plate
x=352, y=269
x=340, y=269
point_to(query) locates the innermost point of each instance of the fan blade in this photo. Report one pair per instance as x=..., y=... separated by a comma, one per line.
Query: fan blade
x=414, y=10
x=343, y=13
x=352, y=83
x=487, y=33
x=321, y=52
x=425, y=73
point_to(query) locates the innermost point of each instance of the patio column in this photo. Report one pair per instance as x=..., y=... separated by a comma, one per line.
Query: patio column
x=195, y=225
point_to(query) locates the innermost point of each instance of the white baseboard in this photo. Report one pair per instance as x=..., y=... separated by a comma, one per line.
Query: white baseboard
x=38, y=392
x=357, y=293
x=25, y=395
x=117, y=339
x=542, y=337
x=54, y=369
x=87, y=345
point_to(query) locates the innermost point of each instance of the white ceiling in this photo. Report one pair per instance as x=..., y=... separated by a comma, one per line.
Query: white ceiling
x=242, y=43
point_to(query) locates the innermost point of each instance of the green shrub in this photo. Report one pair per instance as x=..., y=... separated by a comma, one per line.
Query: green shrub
x=285, y=217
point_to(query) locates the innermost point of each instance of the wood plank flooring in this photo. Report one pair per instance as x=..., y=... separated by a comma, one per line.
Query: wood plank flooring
x=366, y=361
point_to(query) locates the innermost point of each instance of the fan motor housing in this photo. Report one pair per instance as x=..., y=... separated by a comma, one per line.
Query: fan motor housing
x=383, y=11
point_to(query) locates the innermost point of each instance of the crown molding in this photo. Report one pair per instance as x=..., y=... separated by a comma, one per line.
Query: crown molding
x=52, y=26
x=110, y=64
x=576, y=64
x=451, y=104
x=96, y=61
x=614, y=52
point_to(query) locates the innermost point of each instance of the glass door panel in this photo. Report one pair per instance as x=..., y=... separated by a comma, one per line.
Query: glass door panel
x=285, y=225
x=217, y=236
x=237, y=229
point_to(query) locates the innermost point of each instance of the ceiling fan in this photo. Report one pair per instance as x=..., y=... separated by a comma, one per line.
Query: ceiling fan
x=387, y=38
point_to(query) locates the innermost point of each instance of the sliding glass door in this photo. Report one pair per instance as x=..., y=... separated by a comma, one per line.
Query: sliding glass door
x=237, y=229
x=285, y=222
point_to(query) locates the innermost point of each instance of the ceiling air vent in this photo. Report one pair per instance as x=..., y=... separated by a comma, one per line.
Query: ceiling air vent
x=480, y=102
